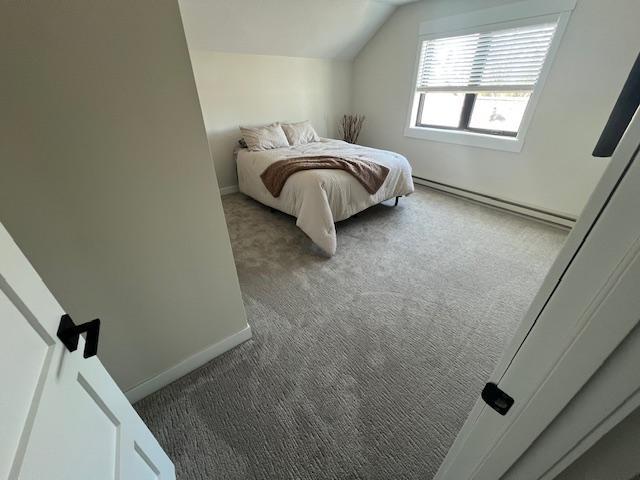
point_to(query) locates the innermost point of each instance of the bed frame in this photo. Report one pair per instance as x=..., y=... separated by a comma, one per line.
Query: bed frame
x=273, y=210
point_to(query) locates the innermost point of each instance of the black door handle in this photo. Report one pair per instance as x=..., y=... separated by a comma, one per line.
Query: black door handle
x=497, y=399
x=69, y=333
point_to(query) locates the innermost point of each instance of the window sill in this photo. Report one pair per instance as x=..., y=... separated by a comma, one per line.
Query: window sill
x=471, y=139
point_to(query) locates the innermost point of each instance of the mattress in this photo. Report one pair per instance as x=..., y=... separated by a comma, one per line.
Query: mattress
x=320, y=198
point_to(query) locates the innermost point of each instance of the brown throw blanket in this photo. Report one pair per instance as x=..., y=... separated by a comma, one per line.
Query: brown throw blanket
x=370, y=174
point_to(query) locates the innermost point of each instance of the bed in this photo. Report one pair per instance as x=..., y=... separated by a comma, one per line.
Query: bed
x=319, y=198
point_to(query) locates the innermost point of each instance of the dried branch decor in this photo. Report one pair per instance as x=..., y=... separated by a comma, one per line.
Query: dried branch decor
x=350, y=127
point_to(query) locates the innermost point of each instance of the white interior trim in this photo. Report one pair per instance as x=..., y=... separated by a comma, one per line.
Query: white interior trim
x=461, y=137
x=187, y=365
x=608, y=398
x=521, y=13
x=547, y=216
x=602, y=398
x=229, y=190
x=622, y=412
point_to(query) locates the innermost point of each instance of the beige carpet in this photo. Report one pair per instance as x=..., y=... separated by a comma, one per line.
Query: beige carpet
x=362, y=366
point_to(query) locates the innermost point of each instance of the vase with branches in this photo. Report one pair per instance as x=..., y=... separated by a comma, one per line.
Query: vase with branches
x=350, y=126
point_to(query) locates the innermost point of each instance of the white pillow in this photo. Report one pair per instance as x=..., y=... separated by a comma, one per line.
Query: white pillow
x=300, y=133
x=264, y=138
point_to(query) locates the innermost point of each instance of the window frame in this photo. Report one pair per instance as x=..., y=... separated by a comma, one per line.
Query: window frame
x=465, y=118
x=497, y=18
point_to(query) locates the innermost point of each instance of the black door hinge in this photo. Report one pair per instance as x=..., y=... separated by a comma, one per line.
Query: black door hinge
x=496, y=398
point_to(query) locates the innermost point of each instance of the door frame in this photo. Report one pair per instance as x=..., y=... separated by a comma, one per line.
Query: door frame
x=619, y=164
x=611, y=395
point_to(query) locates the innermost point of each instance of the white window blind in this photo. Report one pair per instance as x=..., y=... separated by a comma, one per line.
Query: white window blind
x=502, y=60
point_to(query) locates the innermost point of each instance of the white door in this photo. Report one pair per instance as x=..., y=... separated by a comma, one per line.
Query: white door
x=587, y=305
x=62, y=417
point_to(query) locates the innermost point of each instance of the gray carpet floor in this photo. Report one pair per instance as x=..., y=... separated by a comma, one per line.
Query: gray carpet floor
x=364, y=365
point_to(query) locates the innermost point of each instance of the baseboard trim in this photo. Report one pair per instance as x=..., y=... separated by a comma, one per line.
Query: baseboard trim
x=554, y=218
x=229, y=190
x=187, y=365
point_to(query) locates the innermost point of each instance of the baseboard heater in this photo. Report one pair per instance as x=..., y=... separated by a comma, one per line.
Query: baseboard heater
x=555, y=218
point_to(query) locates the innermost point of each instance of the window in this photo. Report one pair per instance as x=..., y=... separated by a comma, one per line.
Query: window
x=481, y=82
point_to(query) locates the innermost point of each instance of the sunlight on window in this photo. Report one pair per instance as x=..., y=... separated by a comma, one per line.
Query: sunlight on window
x=499, y=111
x=480, y=82
x=441, y=109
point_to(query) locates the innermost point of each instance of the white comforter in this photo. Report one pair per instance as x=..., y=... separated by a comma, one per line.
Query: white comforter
x=319, y=198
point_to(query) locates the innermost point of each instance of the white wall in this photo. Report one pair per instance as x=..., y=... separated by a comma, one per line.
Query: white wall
x=106, y=181
x=555, y=170
x=242, y=89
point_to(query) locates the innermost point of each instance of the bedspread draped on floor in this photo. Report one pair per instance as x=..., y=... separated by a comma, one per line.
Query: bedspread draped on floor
x=364, y=365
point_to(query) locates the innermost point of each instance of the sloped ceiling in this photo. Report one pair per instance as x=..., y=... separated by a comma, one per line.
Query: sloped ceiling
x=297, y=28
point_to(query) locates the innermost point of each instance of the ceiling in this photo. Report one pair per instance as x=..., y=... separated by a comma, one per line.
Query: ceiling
x=336, y=29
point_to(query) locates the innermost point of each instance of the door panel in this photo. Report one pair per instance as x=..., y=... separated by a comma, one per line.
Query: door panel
x=72, y=415
x=62, y=416
x=583, y=318
x=143, y=466
x=22, y=348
